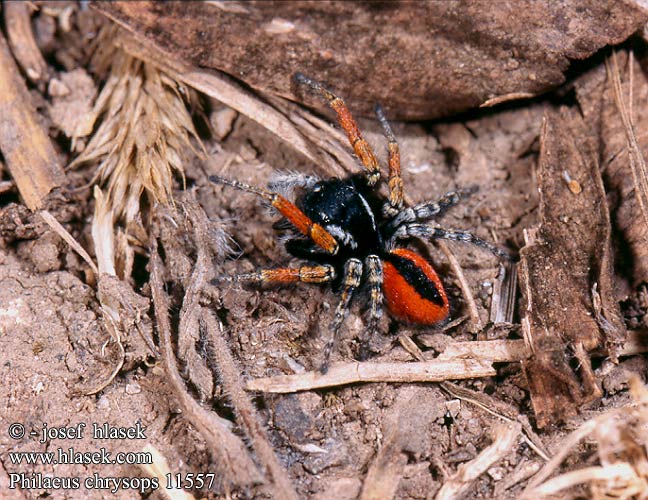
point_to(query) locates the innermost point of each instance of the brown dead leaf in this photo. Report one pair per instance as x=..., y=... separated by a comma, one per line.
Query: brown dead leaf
x=595, y=93
x=419, y=59
x=563, y=259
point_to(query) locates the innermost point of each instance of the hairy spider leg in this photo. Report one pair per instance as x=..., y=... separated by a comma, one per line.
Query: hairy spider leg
x=345, y=119
x=352, y=277
x=425, y=231
x=302, y=274
x=320, y=236
x=395, y=181
x=429, y=209
x=374, y=268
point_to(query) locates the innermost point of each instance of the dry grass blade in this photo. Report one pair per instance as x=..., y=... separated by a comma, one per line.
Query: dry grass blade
x=505, y=437
x=144, y=131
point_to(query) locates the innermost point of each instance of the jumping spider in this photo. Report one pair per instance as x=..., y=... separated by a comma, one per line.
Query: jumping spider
x=351, y=234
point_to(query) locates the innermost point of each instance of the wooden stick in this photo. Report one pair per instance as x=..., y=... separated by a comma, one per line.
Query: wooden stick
x=350, y=373
x=27, y=149
x=21, y=40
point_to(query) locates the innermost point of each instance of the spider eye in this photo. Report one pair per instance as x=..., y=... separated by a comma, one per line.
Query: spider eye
x=324, y=217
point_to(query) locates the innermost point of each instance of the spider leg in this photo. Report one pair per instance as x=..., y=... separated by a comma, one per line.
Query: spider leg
x=424, y=231
x=429, y=209
x=352, y=276
x=290, y=211
x=358, y=143
x=395, y=181
x=303, y=274
x=375, y=282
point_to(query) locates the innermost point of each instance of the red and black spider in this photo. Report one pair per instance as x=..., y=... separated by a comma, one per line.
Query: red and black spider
x=353, y=235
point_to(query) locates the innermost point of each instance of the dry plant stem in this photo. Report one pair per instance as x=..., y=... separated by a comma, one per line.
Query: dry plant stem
x=465, y=288
x=26, y=148
x=229, y=92
x=21, y=40
x=637, y=161
x=461, y=360
x=69, y=239
x=461, y=482
x=160, y=468
x=189, y=329
x=228, y=451
x=507, y=351
x=500, y=351
x=619, y=473
x=247, y=416
x=230, y=376
x=350, y=373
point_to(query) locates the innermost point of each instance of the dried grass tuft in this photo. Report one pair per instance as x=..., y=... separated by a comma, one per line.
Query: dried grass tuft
x=144, y=128
x=622, y=470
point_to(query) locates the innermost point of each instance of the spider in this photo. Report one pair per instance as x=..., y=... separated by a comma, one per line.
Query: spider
x=352, y=235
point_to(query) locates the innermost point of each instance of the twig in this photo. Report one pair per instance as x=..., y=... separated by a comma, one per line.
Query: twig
x=350, y=373
x=26, y=147
x=460, y=483
x=387, y=468
x=246, y=413
x=461, y=360
x=228, y=451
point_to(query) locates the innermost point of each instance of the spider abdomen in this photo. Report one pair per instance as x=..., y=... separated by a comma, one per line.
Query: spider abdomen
x=412, y=288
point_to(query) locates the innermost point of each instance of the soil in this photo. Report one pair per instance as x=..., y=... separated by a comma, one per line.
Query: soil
x=55, y=347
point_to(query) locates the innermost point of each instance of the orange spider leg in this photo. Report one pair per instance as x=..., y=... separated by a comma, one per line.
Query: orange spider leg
x=345, y=119
x=320, y=236
x=395, y=180
x=303, y=274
